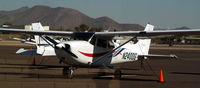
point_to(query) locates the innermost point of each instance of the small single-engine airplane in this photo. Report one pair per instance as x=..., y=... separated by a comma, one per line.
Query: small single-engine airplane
x=101, y=49
x=43, y=48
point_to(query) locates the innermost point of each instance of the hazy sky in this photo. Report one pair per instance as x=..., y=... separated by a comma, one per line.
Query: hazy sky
x=161, y=13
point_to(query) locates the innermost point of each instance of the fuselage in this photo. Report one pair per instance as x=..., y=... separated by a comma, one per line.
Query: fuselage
x=88, y=54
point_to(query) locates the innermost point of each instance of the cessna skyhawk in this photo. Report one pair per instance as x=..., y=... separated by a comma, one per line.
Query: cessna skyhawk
x=101, y=49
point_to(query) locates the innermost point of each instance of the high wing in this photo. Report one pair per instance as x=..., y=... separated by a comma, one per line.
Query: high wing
x=36, y=32
x=106, y=34
x=150, y=33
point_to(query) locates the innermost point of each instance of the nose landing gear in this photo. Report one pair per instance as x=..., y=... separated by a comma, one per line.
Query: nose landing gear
x=68, y=72
x=117, y=74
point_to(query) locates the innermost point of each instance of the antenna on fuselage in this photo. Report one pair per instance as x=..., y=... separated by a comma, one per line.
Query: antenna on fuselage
x=90, y=38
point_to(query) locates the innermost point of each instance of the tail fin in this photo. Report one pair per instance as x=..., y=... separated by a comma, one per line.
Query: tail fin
x=38, y=27
x=38, y=40
x=144, y=44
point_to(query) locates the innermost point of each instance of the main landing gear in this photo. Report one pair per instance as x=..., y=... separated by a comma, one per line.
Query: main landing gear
x=117, y=74
x=68, y=72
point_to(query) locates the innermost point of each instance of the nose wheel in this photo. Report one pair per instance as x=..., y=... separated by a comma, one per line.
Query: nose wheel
x=68, y=72
x=117, y=74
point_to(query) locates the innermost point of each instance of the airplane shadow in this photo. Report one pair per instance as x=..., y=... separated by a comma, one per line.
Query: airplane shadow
x=102, y=75
x=125, y=79
x=129, y=69
x=77, y=76
x=92, y=75
x=38, y=66
x=186, y=73
x=135, y=79
x=29, y=66
x=127, y=74
x=31, y=75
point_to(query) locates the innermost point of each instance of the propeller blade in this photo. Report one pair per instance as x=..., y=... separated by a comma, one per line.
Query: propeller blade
x=67, y=49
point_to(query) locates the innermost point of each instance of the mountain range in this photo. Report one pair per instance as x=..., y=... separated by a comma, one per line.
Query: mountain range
x=60, y=17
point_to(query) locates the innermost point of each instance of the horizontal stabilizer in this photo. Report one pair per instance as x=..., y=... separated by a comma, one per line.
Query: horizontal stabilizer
x=154, y=56
x=26, y=51
x=27, y=42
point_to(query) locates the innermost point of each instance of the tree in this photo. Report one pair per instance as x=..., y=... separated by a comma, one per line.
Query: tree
x=96, y=29
x=7, y=23
x=82, y=28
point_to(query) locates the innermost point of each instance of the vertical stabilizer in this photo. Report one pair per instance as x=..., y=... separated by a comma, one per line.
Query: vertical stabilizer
x=38, y=27
x=144, y=44
x=38, y=40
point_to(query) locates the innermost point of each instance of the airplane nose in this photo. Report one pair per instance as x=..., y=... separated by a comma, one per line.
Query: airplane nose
x=66, y=47
x=60, y=46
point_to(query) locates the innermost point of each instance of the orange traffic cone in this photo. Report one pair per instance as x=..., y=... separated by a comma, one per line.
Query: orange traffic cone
x=161, y=79
x=33, y=63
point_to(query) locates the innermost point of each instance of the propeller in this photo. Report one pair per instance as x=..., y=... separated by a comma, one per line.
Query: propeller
x=65, y=47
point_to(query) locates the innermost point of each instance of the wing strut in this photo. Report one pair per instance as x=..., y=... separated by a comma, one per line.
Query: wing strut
x=48, y=41
x=125, y=43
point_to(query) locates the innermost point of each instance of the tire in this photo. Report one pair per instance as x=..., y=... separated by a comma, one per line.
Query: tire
x=65, y=73
x=117, y=74
x=70, y=74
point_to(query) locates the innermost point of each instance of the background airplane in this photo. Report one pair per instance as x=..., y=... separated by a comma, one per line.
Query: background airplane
x=42, y=47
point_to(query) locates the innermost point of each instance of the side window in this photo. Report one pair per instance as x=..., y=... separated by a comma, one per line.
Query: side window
x=101, y=43
x=110, y=44
x=93, y=41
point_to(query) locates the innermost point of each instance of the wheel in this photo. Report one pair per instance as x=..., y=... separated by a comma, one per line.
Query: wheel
x=68, y=73
x=65, y=72
x=117, y=74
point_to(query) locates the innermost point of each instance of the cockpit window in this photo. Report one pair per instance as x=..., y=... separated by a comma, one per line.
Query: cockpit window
x=93, y=40
x=101, y=42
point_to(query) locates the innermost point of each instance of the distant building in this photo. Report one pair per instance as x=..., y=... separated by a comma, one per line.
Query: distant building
x=29, y=27
x=13, y=26
x=5, y=26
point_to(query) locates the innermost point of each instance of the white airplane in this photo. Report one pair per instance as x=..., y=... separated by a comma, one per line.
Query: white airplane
x=43, y=48
x=100, y=50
